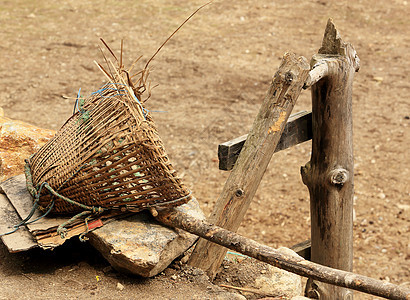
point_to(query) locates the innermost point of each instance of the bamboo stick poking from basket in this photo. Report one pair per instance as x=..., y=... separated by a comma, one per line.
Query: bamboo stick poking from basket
x=294, y=264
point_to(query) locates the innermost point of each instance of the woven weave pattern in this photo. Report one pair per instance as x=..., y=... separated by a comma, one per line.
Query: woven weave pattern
x=108, y=154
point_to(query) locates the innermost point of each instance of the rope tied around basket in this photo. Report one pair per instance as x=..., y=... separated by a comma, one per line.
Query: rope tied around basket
x=26, y=220
x=36, y=193
x=101, y=92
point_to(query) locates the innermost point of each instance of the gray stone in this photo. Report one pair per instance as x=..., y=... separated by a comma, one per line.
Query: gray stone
x=120, y=286
x=229, y=296
x=140, y=245
x=278, y=281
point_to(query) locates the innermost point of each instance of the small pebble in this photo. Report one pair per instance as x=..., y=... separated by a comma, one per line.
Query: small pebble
x=184, y=260
x=197, y=272
x=120, y=286
x=174, y=277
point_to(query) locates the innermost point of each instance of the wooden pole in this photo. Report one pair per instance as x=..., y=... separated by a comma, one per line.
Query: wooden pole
x=280, y=259
x=247, y=173
x=329, y=174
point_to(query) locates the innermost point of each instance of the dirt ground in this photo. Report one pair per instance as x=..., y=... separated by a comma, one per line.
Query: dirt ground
x=212, y=77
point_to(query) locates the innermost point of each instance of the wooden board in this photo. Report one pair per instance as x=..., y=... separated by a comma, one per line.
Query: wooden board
x=21, y=240
x=303, y=249
x=20, y=198
x=297, y=130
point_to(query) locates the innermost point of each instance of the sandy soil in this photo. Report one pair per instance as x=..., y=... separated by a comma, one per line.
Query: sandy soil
x=212, y=77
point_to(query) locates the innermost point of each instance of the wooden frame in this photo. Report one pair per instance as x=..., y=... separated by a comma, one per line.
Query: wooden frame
x=329, y=174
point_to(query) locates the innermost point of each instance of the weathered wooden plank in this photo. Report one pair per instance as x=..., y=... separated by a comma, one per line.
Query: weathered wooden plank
x=303, y=249
x=254, y=158
x=20, y=198
x=21, y=240
x=297, y=130
x=329, y=174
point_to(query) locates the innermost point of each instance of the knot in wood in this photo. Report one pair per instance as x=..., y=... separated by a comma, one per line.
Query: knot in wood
x=338, y=176
x=239, y=193
x=289, y=77
x=348, y=296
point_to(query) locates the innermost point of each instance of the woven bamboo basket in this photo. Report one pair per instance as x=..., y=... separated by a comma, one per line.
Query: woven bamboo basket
x=107, y=155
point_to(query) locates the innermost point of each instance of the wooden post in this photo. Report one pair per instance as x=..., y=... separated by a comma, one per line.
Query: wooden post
x=280, y=257
x=262, y=140
x=329, y=174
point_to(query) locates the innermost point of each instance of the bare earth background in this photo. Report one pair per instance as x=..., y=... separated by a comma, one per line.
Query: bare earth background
x=212, y=78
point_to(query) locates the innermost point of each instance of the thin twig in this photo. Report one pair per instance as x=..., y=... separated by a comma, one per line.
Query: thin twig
x=122, y=44
x=132, y=66
x=111, y=79
x=109, y=49
x=106, y=61
x=183, y=23
x=250, y=290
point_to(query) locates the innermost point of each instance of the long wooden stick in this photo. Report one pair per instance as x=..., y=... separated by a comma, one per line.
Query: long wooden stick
x=294, y=264
x=329, y=174
x=254, y=158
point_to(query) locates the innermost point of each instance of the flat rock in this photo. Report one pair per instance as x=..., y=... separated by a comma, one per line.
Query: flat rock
x=140, y=245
